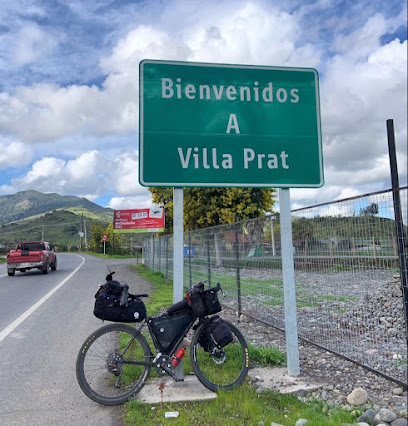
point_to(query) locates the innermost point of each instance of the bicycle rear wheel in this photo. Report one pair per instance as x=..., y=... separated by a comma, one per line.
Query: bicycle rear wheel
x=220, y=368
x=113, y=364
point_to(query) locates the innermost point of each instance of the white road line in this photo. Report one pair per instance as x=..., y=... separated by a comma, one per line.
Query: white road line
x=33, y=308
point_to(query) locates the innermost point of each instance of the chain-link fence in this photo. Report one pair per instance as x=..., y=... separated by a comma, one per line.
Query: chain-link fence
x=348, y=289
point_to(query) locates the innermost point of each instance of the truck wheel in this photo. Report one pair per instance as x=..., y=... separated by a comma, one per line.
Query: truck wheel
x=11, y=272
x=45, y=269
x=54, y=265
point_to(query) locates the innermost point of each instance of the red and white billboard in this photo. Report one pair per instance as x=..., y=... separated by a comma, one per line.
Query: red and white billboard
x=138, y=220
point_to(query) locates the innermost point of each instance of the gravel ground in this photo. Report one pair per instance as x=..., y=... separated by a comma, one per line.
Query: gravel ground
x=338, y=375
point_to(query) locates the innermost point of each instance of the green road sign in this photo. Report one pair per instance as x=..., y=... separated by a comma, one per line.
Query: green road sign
x=222, y=125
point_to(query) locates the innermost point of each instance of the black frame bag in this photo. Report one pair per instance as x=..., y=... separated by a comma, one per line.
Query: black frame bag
x=167, y=329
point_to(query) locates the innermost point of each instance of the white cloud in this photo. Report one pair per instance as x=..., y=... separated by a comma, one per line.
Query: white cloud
x=141, y=43
x=7, y=189
x=90, y=175
x=14, y=154
x=364, y=84
x=126, y=174
x=31, y=43
x=138, y=202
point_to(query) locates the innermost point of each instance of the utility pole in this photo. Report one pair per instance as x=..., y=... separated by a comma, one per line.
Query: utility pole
x=86, y=244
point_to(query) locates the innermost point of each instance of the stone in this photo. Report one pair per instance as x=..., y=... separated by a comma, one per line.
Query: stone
x=301, y=422
x=367, y=416
x=358, y=396
x=398, y=391
x=386, y=415
x=400, y=422
x=378, y=422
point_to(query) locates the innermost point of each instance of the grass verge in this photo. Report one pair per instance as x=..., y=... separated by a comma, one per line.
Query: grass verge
x=240, y=406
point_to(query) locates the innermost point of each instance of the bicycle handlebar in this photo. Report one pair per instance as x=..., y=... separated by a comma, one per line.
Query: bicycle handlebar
x=135, y=296
x=200, y=285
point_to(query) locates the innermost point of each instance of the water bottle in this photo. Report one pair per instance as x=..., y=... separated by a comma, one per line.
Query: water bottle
x=178, y=356
x=124, y=295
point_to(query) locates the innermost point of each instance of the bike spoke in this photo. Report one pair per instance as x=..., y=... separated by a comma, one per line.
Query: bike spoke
x=115, y=365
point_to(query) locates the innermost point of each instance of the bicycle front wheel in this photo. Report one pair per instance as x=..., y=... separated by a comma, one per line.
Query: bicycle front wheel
x=220, y=368
x=113, y=364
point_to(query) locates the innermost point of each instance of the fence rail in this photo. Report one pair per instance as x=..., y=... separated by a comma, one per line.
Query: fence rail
x=348, y=289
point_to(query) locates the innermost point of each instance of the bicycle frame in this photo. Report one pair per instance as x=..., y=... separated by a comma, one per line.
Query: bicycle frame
x=173, y=349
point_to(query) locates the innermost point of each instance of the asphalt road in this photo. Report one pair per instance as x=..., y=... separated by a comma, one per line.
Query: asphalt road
x=44, y=319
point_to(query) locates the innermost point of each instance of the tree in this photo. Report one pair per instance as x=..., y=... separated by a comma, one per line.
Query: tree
x=114, y=243
x=96, y=233
x=370, y=210
x=205, y=207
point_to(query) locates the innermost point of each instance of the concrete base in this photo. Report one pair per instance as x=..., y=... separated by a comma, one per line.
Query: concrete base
x=192, y=390
x=279, y=379
x=188, y=390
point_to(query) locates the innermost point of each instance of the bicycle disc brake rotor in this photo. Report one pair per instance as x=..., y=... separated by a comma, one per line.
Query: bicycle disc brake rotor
x=218, y=355
x=114, y=363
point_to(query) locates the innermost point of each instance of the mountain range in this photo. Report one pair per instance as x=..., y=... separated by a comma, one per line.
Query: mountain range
x=26, y=204
x=61, y=220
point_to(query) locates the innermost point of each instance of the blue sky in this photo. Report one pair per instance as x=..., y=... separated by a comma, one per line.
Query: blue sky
x=69, y=85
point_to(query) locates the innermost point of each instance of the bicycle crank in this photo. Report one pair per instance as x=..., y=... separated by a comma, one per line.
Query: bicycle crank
x=164, y=366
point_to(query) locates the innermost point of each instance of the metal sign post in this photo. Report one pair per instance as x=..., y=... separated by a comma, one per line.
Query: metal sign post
x=178, y=259
x=289, y=291
x=178, y=241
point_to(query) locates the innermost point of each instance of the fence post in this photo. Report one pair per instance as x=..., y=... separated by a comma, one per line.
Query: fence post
x=208, y=256
x=153, y=251
x=401, y=238
x=238, y=271
x=189, y=256
x=167, y=255
x=159, y=252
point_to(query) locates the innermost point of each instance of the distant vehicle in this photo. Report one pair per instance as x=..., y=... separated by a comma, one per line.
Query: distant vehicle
x=31, y=255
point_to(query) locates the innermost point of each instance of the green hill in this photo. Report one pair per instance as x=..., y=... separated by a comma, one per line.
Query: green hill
x=31, y=215
x=26, y=204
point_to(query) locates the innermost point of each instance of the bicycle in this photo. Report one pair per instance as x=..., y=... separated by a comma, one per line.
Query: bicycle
x=116, y=360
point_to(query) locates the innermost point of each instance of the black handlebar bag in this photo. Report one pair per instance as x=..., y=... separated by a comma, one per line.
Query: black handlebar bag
x=108, y=308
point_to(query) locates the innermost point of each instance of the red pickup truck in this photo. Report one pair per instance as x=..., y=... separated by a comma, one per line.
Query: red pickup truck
x=31, y=255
